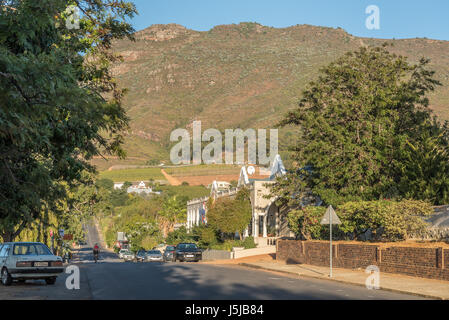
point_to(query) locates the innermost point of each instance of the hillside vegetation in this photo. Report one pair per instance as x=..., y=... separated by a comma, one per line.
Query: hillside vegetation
x=237, y=76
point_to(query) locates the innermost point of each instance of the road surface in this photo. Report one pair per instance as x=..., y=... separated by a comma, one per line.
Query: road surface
x=111, y=278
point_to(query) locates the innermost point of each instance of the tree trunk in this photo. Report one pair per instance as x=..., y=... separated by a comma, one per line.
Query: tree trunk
x=44, y=227
x=7, y=236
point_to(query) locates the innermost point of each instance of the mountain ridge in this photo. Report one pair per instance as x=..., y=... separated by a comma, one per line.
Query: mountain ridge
x=237, y=76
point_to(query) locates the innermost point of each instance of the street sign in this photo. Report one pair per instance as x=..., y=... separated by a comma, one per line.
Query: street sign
x=329, y=216
x=68, y=237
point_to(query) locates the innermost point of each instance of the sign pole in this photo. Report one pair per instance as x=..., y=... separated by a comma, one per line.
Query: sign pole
x=330, y=218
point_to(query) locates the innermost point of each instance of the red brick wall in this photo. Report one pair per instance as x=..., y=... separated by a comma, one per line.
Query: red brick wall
x=355, y=256
x=446, y=258
x=418, y=262
x=404, y=256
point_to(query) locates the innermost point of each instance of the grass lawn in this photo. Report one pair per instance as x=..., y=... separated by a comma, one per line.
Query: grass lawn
x=191, y=192
x=204, y=170
x=133, y=175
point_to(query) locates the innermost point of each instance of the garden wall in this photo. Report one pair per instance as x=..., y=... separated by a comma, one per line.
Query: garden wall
x=430, y=263
x=210, y=255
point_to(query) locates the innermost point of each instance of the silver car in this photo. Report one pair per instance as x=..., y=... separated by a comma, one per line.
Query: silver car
x=128, y=256
x=121, y=252
x=23, y=261
x=154, y=255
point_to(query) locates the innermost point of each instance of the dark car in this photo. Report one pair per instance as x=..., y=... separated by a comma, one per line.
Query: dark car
x=188, y=252
x=169, y=253
x=141, y=255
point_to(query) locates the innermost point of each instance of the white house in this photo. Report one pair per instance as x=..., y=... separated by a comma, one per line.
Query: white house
x=267, y=217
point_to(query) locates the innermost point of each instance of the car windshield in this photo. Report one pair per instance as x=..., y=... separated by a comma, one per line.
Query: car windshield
x=187, y=246
x=170, y=248
x=30, y=249
x=154, y=252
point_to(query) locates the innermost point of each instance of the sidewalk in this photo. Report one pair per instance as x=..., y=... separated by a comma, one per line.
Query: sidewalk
x=429, y=288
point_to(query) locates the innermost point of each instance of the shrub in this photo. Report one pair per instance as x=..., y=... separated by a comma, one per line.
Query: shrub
x=248, y=243
x=387, y=220
x=206, y=236
x=179, y=236
x=305, y=222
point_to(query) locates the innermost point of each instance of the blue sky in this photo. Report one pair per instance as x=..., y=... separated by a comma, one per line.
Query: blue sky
x=398, y=18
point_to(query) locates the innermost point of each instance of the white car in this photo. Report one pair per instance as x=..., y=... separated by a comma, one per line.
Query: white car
x=121, y=252
x=23, y=261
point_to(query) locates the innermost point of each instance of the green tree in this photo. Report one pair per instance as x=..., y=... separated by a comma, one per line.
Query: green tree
x=173, y=211
x=367, y=133
x=60, y=105
x=180, y=235
x=230, y=215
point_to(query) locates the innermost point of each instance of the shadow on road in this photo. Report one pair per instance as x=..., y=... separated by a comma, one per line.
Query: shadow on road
x=185, y=281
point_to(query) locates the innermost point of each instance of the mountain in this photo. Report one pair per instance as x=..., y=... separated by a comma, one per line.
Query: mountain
x=236, y=76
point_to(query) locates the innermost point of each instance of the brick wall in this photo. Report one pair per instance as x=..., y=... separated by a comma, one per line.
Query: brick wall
x=430, y=263
x=446, y=258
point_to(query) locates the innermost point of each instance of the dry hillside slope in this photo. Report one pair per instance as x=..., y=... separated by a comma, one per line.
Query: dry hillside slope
x=232, y=76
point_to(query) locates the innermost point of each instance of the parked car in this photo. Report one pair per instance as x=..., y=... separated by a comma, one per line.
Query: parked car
x=188, y=252
x=129, y=256
x=21, y=261
x=154, y=255
x=141, y=255
x=121, y=252
x=169, y=253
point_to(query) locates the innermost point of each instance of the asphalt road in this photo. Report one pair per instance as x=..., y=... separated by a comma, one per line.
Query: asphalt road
x=111, y=278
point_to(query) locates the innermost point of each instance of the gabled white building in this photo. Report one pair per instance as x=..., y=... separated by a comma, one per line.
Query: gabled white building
x=267, y=218
x=140, y=188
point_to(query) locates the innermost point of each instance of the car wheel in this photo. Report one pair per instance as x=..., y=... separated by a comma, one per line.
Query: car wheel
x=50, y=281
x=6, y=277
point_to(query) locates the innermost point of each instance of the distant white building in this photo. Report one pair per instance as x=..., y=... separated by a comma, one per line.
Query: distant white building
x=118, y=185
x=140, y=188
x=136, y=188
x=217, y=186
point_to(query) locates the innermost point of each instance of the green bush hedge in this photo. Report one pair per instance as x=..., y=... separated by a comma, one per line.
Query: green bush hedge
x=387, y=220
